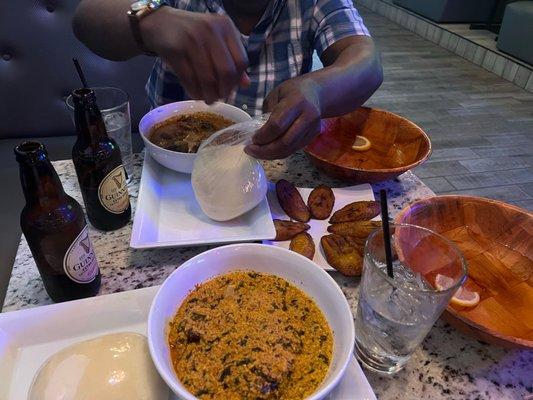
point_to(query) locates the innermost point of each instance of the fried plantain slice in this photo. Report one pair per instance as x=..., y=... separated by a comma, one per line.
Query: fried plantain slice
x=291, y=201
x=286, y=230
x=357, y=229
x=356, y=211
x=321, y=201
x=343, y=254
x=303, y=244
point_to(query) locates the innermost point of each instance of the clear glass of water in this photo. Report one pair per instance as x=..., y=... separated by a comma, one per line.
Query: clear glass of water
x=395, y=314
x=115, y=108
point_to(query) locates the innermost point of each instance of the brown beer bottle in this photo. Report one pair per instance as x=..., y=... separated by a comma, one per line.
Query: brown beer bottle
x=98, y=163
x=55, y=229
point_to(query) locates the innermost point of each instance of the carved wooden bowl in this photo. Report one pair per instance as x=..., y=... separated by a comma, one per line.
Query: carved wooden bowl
x=397, y=146
x=497, y=241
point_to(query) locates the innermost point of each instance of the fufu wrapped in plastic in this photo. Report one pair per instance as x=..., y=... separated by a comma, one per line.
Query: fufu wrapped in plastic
x=226, y=181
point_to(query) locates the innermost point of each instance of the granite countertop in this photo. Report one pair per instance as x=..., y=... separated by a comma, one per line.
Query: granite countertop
x=448, y=365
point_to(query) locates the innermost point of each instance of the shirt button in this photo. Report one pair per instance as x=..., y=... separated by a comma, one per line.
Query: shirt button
x=244, y=107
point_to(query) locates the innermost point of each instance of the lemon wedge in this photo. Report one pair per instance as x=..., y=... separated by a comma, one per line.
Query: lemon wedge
x=462, y=297
x=465, y=298
x=361, y=143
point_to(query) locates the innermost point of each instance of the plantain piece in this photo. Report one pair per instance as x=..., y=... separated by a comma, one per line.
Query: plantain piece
x=356, y=229
x=291, y=201
x=321, y=201
x=355, y=242
x=343, y=254
x=356, y=211
x=303, y=244
x=286, y=230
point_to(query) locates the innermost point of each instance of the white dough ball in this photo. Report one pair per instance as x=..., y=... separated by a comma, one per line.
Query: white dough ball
x=227, y=182
x=110, y=367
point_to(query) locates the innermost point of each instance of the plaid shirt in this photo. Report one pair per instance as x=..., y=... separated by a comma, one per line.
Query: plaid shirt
x=280, y=46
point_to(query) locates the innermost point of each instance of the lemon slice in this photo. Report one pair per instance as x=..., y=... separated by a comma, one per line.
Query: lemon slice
x=465, y=298
x=361, y=143
x=462, y=297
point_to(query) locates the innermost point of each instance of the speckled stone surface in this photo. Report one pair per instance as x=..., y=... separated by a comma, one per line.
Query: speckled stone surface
x=448, y=365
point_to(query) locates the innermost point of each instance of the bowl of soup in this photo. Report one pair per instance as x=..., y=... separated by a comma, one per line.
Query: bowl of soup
x=173, y=132
x=250, y=321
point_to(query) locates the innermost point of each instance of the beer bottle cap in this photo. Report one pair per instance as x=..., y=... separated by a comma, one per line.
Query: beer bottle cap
x=83, y=96
x=30, y=152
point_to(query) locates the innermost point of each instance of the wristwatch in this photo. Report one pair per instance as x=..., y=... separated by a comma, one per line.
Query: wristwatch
x=138, y=10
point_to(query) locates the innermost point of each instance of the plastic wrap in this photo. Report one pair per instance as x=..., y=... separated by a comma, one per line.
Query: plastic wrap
x=226, y=181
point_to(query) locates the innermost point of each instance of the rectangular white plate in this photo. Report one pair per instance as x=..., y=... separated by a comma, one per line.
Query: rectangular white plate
x=319, y=228
x=28, y=337
x=168, y=215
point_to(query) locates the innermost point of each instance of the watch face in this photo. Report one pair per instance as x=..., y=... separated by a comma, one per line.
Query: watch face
x=139, y=5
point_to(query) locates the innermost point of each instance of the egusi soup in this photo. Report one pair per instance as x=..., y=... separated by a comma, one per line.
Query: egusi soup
x=246, y=335
x=185, y=132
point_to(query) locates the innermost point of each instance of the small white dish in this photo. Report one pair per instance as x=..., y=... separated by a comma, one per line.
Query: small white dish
x=286, y=264
x=29, y=337
x=175, y=160
x=168, y=215
x=319, y=228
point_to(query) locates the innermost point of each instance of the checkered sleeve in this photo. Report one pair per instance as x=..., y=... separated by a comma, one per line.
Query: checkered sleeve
x=334, y=20
x=163, y=86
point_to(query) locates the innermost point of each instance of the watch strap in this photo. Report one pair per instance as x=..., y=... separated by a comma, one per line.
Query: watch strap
x=135, y=18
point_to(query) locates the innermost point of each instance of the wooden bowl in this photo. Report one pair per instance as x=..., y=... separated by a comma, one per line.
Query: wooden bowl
x=397, y=146
x=497, y=242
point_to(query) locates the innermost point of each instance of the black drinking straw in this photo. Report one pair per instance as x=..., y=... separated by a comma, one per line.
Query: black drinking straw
x=80, y=72
x=386, y=231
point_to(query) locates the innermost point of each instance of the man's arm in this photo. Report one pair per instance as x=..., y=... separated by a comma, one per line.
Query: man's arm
x=203, y=50
x=351, y=75
x=103, y=26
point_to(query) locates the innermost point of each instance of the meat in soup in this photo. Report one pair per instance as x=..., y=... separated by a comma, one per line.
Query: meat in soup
x=185, y=133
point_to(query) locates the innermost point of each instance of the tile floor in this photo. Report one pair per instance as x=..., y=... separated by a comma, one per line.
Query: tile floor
x=481, y=125
x=457, y=40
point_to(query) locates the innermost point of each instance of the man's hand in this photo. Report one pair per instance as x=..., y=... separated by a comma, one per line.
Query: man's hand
x=203, y=50
x=352, y=73
x=294, y=122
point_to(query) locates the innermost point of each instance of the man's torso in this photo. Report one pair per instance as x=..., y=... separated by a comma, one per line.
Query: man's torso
x=280, y=47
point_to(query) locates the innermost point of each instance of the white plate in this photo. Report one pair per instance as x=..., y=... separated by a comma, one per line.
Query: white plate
x=168, y=215
x=28, y=337
x=319, y=228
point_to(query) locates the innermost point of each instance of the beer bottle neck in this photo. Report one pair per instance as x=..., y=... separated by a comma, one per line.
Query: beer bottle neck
x=89, y=124
x=39, y=180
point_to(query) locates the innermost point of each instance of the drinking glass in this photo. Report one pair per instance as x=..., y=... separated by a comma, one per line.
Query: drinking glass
x=395, y=314
x=115, y=108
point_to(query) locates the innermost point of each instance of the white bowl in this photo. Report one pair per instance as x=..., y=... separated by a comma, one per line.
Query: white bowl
x=291, y=266
x=175, y=160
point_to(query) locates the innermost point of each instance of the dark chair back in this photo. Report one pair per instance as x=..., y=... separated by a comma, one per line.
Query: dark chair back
x=36, y=70
x=500, y=10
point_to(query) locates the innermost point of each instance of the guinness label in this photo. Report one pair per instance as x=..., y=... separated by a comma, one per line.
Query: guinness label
x=80, y=262
x=113, y=192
